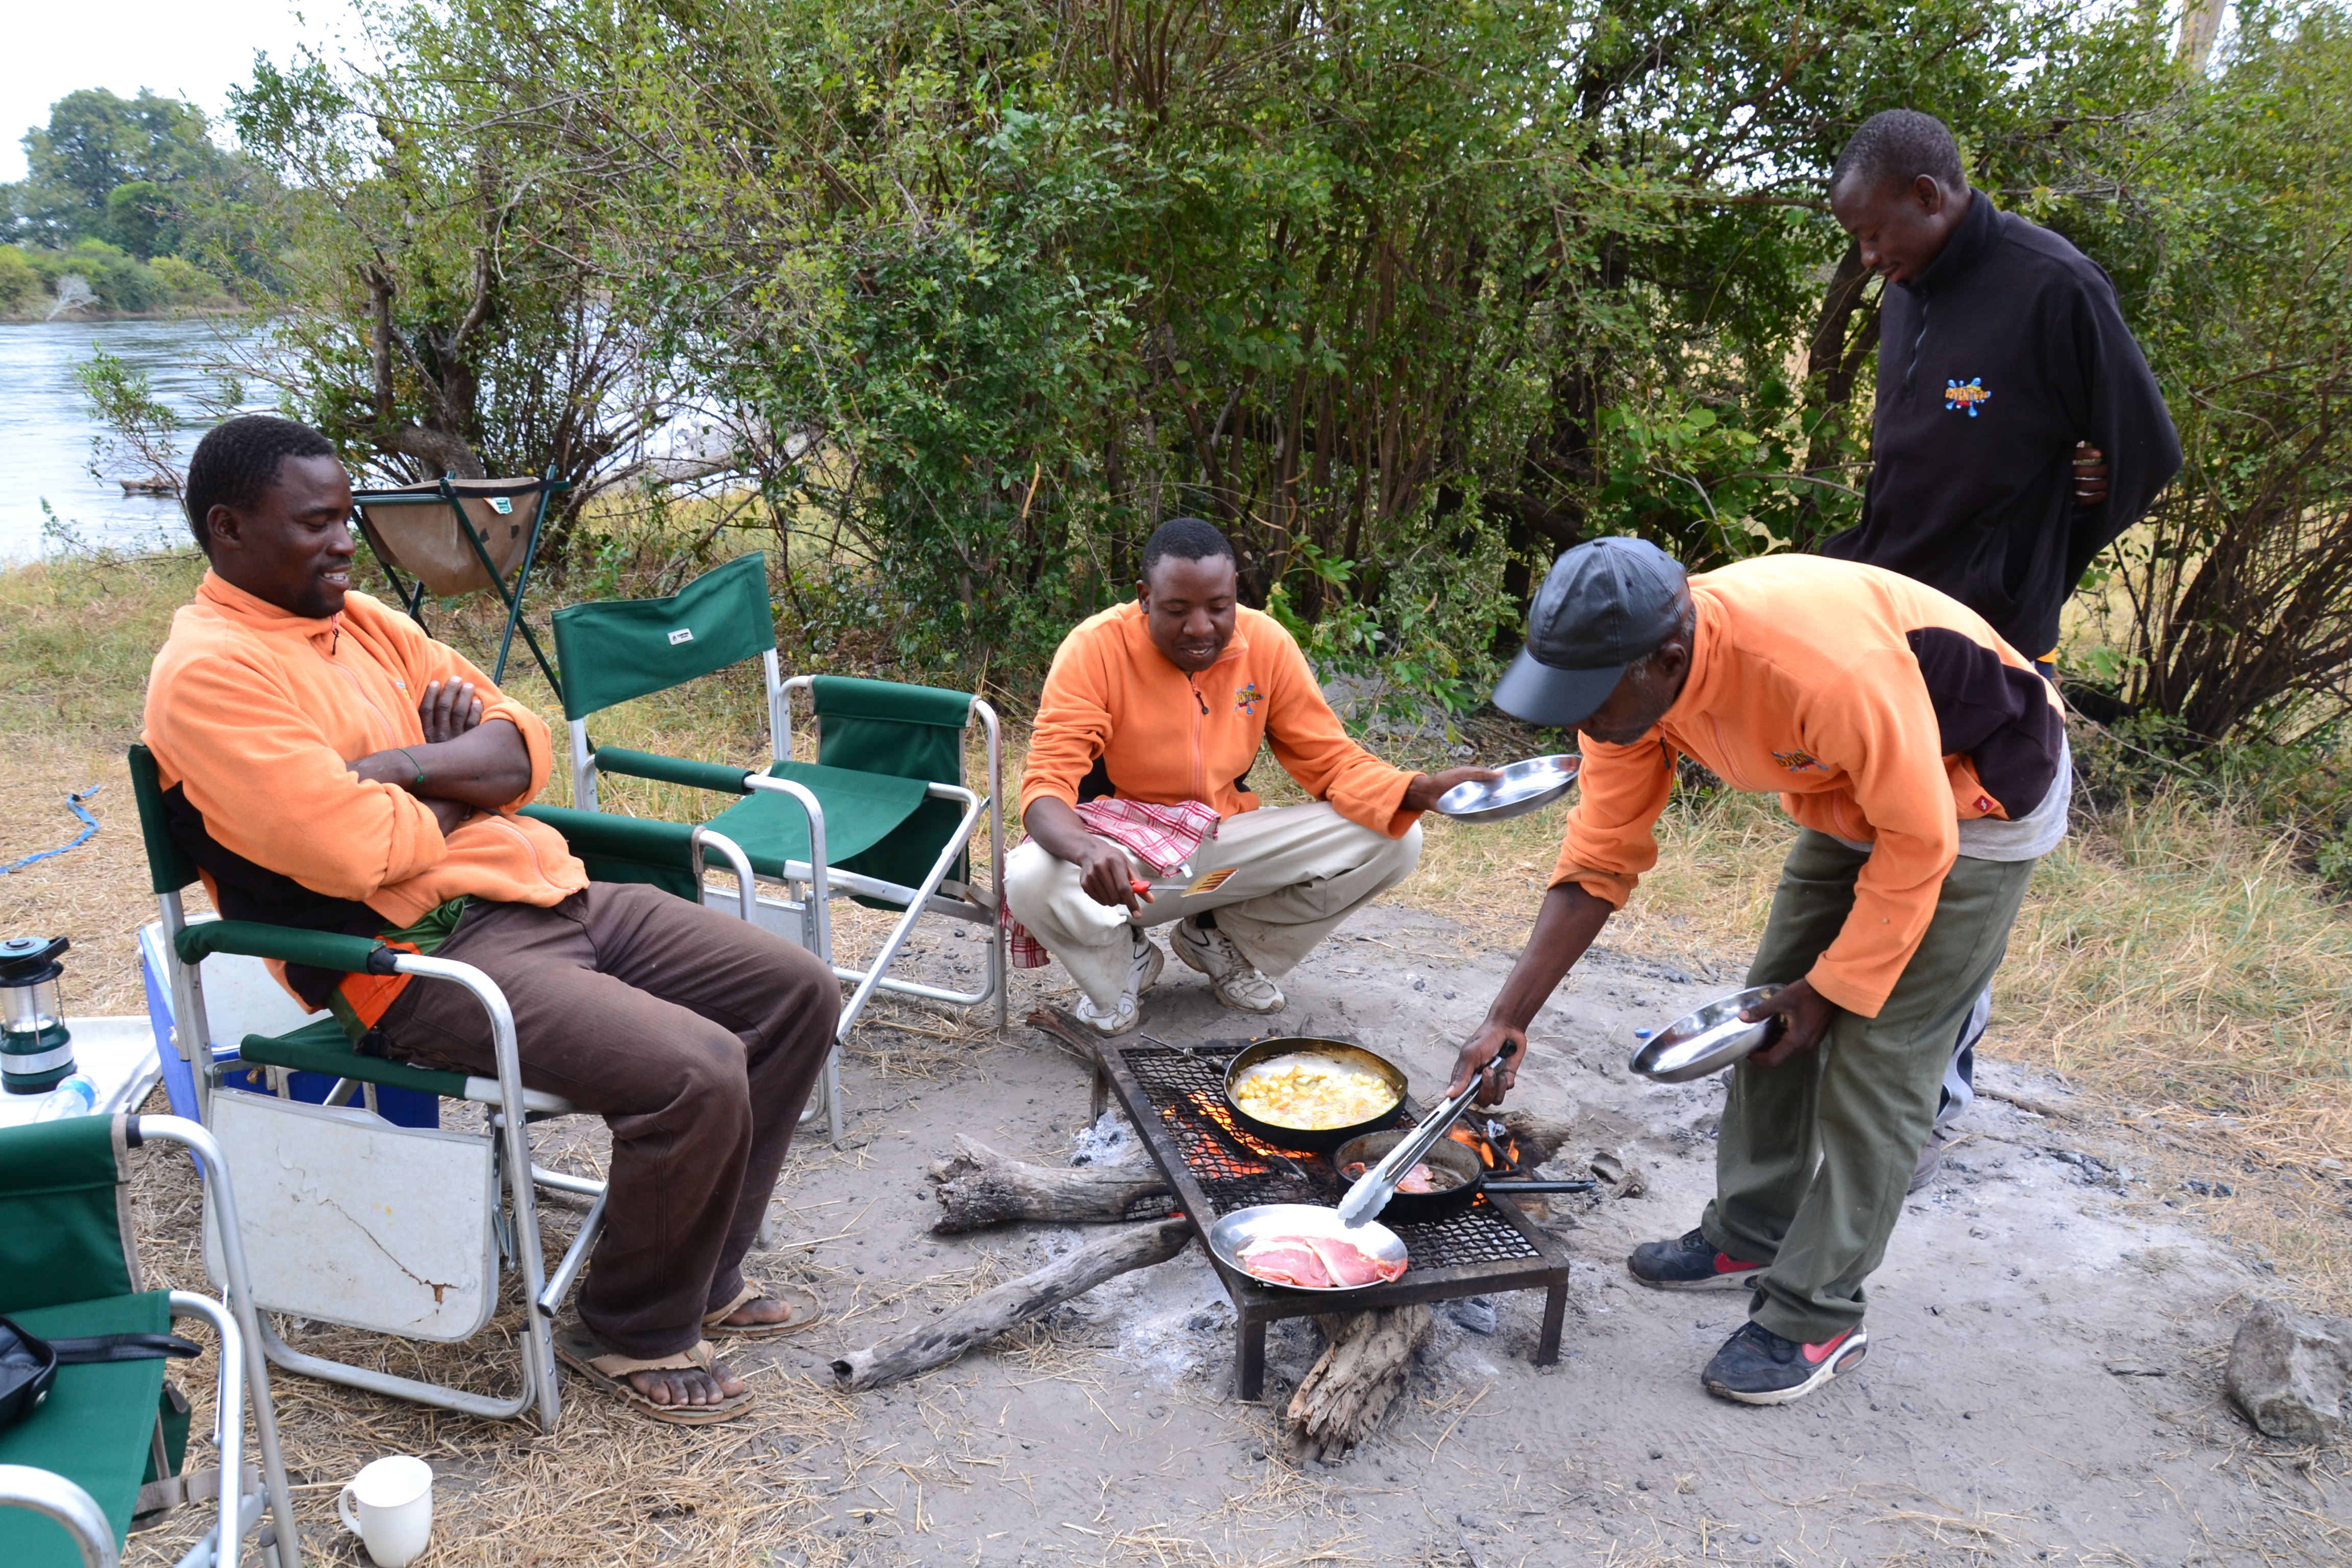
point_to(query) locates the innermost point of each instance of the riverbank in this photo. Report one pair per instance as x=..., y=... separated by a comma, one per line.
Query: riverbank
x=78, y=316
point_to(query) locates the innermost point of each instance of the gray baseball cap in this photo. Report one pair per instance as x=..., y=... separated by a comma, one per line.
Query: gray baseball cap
x=1604, y=604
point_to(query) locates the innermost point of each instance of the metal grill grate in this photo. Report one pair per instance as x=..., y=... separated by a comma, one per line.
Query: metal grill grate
x=1186, y=1089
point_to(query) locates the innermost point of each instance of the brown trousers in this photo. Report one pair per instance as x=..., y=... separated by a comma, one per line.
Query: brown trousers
x=695, y=1036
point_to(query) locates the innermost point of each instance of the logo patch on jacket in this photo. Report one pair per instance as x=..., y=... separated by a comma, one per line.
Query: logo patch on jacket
x=1970, y=395
x=1247, y=698
x=1797, y=761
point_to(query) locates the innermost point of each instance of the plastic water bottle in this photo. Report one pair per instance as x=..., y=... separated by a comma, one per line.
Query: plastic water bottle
x=78, y=1095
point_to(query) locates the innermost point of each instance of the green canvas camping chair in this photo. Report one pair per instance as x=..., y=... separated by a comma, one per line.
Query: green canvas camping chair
x=107, y=1446
x=882, y=816
x=438, y=1232
x=454, y=537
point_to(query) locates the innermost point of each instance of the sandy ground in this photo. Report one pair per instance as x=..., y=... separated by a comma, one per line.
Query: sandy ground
x=1989, y=1425
x=2043, y=1382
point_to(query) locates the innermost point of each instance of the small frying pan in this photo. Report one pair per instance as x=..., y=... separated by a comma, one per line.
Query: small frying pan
x=1323, y=1140
x=1469, y=1173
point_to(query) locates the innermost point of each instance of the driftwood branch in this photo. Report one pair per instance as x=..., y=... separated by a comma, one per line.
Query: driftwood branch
x=1351, y=1386
x=983, y=1318
x=980, y=1187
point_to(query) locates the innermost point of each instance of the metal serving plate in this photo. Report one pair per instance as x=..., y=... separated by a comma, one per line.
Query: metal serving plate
x=1525, y=786
x=1709, y=1040
x=1239, y=1228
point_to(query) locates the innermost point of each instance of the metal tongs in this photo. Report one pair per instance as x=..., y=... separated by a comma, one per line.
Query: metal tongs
x=1376, y=1186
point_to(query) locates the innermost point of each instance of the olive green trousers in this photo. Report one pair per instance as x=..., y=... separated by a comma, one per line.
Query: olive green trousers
x=1814, y=1155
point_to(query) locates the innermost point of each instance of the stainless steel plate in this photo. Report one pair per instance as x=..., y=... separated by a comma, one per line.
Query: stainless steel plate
x=1525, y=786
x=1239, y=1228
x=1709, y=1040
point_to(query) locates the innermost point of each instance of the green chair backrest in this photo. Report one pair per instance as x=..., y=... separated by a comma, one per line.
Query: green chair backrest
x=169, y=870
x=906, y=732
x=65, y=1219
x=623, y=649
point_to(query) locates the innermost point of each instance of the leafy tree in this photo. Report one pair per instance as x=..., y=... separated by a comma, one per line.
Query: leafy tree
x=94, y=143
x=437, y=306
x=2225, y=207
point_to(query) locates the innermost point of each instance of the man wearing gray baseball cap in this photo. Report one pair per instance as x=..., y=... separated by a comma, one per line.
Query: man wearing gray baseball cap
x=1926, y=764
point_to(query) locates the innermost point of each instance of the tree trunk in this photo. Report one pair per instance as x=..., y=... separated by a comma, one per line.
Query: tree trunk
x=979, y=1187
x=1352, y=1384
x=983, y=1318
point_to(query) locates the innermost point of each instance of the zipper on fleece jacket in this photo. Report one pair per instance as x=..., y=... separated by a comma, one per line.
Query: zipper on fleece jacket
x=1200, y=762
x=1924, y=304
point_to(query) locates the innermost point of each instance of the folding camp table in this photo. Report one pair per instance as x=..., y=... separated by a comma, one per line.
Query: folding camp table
x=416, y=529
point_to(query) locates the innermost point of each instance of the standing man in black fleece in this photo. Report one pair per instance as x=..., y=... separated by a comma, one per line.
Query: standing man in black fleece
x=2018, y=428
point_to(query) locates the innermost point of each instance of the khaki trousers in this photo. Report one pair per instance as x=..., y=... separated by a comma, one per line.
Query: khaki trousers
x=1814, y=1155
x=696, y=1037
x=1300, y=871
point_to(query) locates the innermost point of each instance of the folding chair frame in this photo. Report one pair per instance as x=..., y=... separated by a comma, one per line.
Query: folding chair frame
x=809, y=885
x=186, y=949
x=412, y=597
x=237, y=1324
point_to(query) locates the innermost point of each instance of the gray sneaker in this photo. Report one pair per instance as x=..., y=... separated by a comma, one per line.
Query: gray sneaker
x=1930, y=1159
x=1144, y=974
x=1234, y=978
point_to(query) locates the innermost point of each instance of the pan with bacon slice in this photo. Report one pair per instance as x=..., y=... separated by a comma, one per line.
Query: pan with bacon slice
x=1306, y=1247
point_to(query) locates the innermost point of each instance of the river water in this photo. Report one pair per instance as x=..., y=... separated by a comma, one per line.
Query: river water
x=45, y=430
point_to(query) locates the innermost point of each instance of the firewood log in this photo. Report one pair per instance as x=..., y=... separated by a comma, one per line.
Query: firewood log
x=980, y=1187
x=983, y=1318
x=1351, y=1386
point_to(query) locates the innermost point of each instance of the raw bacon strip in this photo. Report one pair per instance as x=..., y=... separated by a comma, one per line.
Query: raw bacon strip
x=1286, y=1260
x=1351, y=1265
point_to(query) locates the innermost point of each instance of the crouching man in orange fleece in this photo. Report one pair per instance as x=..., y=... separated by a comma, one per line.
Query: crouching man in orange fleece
x=1137, y=796
x=328, y=765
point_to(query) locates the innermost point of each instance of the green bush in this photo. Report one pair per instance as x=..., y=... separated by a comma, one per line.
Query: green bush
x=20, y=284
x=119, y=282
x=184, y=283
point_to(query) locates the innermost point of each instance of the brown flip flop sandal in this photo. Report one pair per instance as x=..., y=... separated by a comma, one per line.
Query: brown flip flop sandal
x=576, y=1348
x=807, y=1313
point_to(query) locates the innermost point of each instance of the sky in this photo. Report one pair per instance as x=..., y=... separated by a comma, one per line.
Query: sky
x=195, y=51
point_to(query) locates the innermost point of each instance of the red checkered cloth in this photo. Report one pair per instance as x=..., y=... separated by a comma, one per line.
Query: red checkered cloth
x=1162, y=836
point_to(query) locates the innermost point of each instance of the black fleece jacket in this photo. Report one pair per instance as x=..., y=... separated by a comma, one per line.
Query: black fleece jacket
x=2001, y=355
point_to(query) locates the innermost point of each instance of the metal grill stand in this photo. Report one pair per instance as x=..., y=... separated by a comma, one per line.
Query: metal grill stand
x=1175, y=1097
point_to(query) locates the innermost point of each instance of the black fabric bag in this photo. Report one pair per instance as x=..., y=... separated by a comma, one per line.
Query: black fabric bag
x=28, y=1364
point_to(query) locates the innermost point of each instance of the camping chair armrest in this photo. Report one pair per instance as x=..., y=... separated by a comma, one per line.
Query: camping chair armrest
x=229, y=1413
x=714, y=776
x=287, y=944
x=51, y=1495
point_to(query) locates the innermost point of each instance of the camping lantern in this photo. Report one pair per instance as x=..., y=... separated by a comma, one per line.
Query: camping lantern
x=35, y=1052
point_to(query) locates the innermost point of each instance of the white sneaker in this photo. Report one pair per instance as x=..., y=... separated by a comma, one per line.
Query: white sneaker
x=1144, y=974
x=1234, y=978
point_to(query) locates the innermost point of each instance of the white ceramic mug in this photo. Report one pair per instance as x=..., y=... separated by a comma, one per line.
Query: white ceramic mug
x=393, y=1497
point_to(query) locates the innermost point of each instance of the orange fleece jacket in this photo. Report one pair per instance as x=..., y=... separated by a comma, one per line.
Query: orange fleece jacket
x=1801, y=681
x=257, y=710
x=1165, y=736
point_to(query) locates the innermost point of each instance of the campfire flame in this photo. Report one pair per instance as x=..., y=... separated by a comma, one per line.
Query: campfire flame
x=1495, y=1157
x=1199, y=1100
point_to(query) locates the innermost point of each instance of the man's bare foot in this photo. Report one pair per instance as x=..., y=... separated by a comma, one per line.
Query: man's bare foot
x=759, y=1312
x=688, y=1385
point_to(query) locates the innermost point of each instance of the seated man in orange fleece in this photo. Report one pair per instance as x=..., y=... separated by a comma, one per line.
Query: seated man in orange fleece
x=329, y=767
x=1153, y=713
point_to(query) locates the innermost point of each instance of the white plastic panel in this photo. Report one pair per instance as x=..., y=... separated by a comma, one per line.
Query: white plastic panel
x=352, y=1220
x=787, y=921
